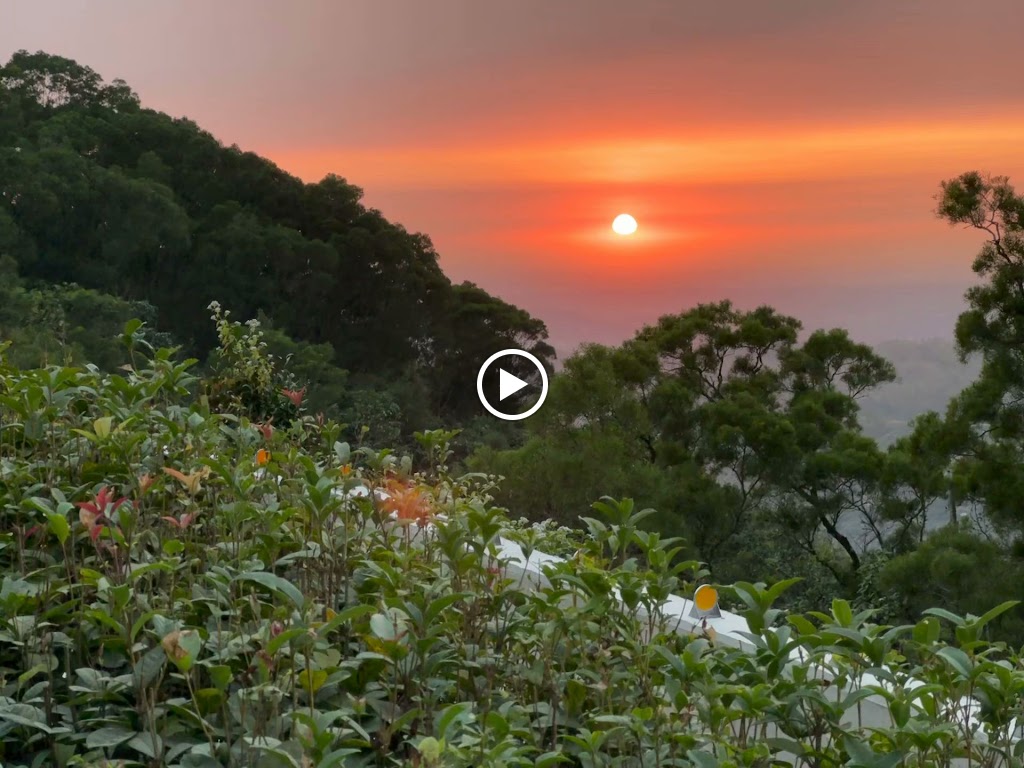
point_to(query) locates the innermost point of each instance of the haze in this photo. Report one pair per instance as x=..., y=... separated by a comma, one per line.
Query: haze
x=785, y=153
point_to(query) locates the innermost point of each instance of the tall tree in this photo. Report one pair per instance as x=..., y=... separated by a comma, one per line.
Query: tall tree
x=989, y=415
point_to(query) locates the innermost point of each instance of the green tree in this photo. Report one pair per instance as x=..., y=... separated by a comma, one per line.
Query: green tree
x=988, y=416
x=726, y=423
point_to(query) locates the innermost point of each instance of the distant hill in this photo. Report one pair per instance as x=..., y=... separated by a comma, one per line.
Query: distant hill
x=930, y=374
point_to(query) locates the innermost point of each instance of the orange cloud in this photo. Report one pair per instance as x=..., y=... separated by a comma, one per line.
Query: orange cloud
x=756, y=154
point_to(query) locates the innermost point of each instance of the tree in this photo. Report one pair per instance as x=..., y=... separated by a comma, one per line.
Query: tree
x=827, y=470
x=961, y=570
x=917, y=477
x=54, y=81
x=989, y=415
x=476, y=325
x=725, y=422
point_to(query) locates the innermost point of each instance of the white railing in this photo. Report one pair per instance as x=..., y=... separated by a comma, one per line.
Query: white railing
x=730, y=630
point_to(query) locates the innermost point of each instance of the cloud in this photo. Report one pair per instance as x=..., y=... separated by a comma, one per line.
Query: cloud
x=750, y=154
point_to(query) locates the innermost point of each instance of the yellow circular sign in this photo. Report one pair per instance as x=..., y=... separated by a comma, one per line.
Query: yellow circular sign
x=706, y=598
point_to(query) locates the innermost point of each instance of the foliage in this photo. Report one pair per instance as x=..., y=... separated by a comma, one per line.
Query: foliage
x=959, y=569
x=546, y=536
x=725, y=422
x=246, y=381
x=66, y=324
x=987, y=417
x=200, y=581
x=180, y=588
x=98, y=191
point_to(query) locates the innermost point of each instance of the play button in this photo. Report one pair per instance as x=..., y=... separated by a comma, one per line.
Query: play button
x=531, y=376
x=508, y=384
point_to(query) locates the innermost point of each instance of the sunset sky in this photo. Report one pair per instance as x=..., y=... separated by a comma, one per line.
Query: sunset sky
x=781, y=152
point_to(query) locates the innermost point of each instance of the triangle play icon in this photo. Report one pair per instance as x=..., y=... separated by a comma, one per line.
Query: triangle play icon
x=508, y=384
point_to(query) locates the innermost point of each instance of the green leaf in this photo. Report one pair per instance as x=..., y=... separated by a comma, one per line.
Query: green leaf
x=862, y=756
x=59, y=525
x=30, y=717
x=842, y=612
x=138, y=571
x=613, y=720
x=957, y=659
x=191, y=641
x=102, y=426
x=209, y=700
x=312, y=680
x=38, y=669
x=551, y=758
x=802, y=624
x=221, y=676
x=702, y=759
x=383, y=627
x=450, y=715
x=173, y=547
x=132, y=326
x=774, y=592
x=927, y=631
x=108, y=737
x=289, y=634
x=437, y=606
x=349, y=614
x=342, y=452
x=944, y=614
x=997, y=611
x=140, y=624
x=576, y=694
x=148, y=667
x=274, y=583
x=148, y=743
x=336, y=758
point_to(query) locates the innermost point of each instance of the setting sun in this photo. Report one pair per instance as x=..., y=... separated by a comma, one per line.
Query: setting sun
x=624, y=224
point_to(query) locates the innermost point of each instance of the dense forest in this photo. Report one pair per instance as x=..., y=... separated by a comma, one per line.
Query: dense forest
x=771, y=449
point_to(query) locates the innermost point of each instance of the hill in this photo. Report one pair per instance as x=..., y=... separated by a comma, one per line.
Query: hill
x=136, y=206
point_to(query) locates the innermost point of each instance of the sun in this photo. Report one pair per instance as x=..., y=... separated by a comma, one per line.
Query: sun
x=624, y=224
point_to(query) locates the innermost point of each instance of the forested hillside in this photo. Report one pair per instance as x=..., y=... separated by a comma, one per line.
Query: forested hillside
x=149, y=215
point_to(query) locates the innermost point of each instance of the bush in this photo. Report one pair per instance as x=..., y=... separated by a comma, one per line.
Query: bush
x=182, y=588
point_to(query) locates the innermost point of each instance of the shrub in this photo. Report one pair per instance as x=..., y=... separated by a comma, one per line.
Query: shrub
x=181, y=587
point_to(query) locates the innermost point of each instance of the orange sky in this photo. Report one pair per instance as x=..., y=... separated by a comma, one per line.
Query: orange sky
x=784, y=153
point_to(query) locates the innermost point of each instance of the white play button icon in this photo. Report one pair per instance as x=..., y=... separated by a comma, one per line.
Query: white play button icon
x=509, y=384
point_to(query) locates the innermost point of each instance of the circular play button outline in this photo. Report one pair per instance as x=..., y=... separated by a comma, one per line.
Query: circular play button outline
x=543, y=388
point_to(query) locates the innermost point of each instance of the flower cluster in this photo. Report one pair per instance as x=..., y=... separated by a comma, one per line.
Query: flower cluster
x=408, y=503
